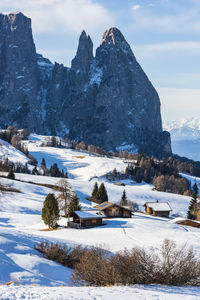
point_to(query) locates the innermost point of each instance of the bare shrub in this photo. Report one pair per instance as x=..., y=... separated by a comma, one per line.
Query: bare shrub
x=95, y=268
x=172, y=265
x=63, y=254
x=177, y=265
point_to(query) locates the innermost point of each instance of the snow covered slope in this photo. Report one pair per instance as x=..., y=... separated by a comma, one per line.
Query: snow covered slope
x=185, y=136
x=21, y=225
x=137, y=292
x=8, y=151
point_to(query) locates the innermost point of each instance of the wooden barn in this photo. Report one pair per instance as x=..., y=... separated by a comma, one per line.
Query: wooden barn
x=86, y=219
x=112, y=210
x=185, y=222
x=159, y=209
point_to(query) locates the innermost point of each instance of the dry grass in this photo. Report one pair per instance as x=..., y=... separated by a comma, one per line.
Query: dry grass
x=9, y=189
x=50, y=229
x=11, y=282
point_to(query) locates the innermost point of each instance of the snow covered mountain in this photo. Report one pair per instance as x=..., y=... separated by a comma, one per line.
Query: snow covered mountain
x=185, y=137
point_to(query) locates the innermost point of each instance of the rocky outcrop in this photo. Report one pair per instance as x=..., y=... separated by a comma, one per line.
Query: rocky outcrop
x=19, y=74
x=106, y=100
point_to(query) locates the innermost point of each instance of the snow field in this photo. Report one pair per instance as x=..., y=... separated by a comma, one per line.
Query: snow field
x=21, y=224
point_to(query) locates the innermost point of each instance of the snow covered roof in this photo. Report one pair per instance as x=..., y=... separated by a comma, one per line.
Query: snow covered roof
x=159, y=206
x=89, y=214
x=107, y=204
x=177, y=220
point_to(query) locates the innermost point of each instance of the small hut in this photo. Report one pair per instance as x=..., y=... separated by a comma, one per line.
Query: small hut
x=159, y=209
x=185, y=222
x=114, y=210
x=86, y=219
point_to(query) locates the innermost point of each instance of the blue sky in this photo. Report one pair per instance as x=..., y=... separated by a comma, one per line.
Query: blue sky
x=164, y=36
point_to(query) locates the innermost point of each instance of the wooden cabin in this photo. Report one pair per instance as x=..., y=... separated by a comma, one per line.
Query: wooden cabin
x=185, y=222
x=86, y=219
x=159, y=209
x=112, y=210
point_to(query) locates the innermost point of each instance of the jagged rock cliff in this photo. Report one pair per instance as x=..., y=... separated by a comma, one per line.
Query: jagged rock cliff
x=106, y=100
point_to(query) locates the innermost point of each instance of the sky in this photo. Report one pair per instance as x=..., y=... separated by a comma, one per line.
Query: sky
x=164, y=36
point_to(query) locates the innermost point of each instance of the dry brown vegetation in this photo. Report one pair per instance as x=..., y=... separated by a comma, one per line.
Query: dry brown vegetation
x=8, y=189
x=172, y=265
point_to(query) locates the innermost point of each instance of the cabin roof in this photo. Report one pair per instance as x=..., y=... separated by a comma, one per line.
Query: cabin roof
x=89, y=214
x=107, y=204
x=159, y=206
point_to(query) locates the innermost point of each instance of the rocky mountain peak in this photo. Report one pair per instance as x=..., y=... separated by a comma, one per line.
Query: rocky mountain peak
x=113, y=36
x=14, y=21
x=107, y=101
x=84, y=55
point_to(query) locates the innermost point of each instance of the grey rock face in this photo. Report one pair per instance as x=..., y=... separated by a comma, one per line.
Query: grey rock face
x=106, y=100
x=19, y=74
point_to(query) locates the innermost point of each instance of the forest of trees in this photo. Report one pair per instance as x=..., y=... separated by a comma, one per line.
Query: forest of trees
x=164, y=174
x=53, y=171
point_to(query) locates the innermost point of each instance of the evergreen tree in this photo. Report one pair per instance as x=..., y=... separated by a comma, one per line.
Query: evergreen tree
x=43, y=163
x=74, y=204
x=54, y=171
x=35, y=171
x=11, y=174
x=50, y=211
x=193, y=203
x=124, y=200
x=95, y=190
x=102, y=194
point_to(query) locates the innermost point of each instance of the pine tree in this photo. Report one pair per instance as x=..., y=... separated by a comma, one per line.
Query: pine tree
x=102, y=194
x=11, y=174
x=35, y=171
x=124, y=200
x=43, y=163
x=43, y=167
x=54, y=171
x=50, y=211
x=74, y=204
x=193, y=203
x=95, y=190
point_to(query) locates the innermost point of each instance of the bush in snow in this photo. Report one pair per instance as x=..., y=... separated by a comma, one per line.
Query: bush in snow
x=173, y=265
x=11, y=174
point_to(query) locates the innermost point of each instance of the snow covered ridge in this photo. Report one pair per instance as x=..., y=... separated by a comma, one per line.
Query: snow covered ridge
x=185, y=137
x=184, y=129
x=14, y=155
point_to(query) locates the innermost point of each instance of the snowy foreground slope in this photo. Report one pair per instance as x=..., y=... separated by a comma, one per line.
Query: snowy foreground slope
x=137, y=292
x=21, y=225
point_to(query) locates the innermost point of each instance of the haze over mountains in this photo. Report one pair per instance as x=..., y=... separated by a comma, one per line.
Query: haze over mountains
x=185, y=135
x=106, y=100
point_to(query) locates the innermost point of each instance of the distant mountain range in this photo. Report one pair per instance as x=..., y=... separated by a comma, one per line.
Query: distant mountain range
x=185, y=137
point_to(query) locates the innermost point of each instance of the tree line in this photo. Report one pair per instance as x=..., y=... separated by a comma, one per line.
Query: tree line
x=164, y=174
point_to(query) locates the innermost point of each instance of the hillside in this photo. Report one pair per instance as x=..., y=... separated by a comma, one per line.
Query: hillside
x=21, y=225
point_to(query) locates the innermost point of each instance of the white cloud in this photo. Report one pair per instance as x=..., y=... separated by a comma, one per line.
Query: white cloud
x=169, y=16
x=62, y=15
x=150, y=50
x=135, y=7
